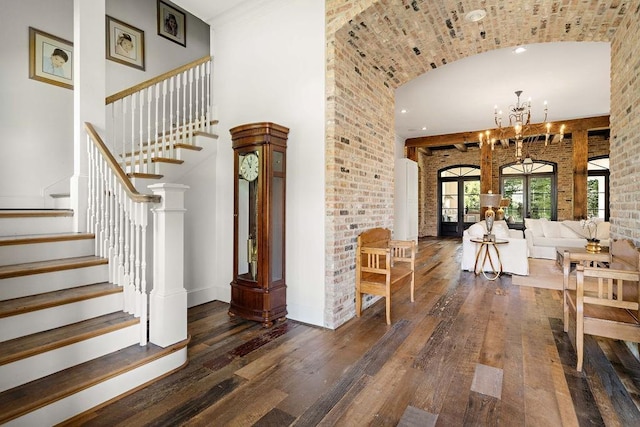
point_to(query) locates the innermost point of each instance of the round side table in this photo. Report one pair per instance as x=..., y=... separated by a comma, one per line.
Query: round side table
x=485, y=253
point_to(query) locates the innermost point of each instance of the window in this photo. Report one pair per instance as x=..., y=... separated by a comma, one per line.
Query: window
x=532, y=195
x=459, y=199
x=598, y=187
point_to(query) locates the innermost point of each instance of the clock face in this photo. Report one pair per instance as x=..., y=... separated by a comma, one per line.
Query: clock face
x=249, y=167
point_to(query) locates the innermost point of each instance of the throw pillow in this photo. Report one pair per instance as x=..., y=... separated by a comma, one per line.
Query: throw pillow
x=535, y=225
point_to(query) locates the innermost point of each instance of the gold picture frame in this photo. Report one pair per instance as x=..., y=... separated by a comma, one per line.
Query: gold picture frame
x=125, y=43
x=50, y=59
x=172, y=23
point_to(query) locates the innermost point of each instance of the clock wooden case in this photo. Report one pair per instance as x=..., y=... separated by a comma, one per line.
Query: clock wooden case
x=258, y=289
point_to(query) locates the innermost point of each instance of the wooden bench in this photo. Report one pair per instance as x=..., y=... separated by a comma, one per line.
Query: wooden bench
x=382, y=263
x=606, y=301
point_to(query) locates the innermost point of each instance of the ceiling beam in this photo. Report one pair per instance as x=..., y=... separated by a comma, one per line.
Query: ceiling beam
x=591, y=123
x=460, y=147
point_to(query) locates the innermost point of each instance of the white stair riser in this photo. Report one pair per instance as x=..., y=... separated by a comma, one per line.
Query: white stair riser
x=93, y=396
x=54, y=317
x=18, y=254
x=16, y=287
x=25, y=370
x=35, y=225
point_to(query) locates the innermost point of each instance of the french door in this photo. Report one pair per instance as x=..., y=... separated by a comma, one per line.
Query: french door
x=459, y=199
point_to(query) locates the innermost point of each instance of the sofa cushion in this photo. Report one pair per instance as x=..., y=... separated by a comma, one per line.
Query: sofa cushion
x=568, y=231
x=535, y=225
x=551, y=229
x=576, y=227
x=477, y=230
x=501, y=230
x=603, y=230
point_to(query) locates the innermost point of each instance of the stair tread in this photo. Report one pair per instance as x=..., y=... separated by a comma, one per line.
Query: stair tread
x=43, y=391
x=31, y=303
x=43, y=238
x=30, y=345
x=32, y=213
x=48, y=266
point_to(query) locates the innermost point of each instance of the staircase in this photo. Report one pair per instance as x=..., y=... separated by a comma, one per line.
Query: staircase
x=74, y=323
x=66, y=343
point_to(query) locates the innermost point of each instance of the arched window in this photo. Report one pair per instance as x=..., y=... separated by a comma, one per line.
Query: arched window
x=598, y=187
x=532, y=195
x=459, y=198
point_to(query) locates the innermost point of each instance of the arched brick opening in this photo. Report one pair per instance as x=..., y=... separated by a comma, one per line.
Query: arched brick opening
x=375, y=46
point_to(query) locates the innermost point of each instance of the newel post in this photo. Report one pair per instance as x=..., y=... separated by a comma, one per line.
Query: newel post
x=168, y=299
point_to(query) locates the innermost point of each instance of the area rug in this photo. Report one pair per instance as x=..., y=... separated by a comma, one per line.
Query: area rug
x=543, y=273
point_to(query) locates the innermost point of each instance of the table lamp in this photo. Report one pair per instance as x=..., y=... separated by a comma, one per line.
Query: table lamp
x=489, y=201
x=504, y=203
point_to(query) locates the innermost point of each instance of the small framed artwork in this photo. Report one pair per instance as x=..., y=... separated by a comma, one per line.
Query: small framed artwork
x=172, y=23
x=50, y=59
x=125, y=43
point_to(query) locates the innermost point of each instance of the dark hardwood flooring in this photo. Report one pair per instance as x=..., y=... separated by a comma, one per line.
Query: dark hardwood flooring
x=467, y=352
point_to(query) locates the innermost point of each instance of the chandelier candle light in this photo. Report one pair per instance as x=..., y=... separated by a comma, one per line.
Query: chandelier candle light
x=520, y=120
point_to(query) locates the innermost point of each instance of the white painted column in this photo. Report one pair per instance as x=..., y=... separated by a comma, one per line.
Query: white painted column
x=168, y=299
x=89, y=92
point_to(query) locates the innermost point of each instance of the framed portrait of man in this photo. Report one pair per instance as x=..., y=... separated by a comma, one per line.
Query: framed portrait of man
x=172, y=23
x=50, y=59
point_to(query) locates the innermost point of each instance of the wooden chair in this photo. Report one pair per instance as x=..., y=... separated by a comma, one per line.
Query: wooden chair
x=606, y=301
x=382, y=263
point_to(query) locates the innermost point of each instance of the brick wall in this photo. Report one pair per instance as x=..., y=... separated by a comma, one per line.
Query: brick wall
x=625, y=128
x=559, y=153
x=373, y=47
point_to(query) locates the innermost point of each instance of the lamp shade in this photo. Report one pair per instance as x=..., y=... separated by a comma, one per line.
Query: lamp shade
x=490, y=200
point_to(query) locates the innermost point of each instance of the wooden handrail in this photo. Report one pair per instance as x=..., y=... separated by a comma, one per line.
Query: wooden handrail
x=157, y=79
x=117, y=170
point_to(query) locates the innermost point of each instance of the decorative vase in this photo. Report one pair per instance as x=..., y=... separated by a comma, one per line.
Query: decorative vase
x=593, y=246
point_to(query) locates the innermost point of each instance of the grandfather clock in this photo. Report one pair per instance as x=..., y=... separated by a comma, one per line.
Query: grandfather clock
x=258, y=289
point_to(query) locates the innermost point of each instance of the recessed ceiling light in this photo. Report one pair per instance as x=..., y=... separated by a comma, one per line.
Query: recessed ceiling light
x=424, y=128
x=475, y=15
x=520, y=49
x=403, y=111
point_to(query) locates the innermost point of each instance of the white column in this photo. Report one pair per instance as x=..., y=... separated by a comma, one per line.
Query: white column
x=168, y=299
x=89, y=92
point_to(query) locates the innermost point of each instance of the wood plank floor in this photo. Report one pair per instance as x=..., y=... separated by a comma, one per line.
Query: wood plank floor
x=467, y=352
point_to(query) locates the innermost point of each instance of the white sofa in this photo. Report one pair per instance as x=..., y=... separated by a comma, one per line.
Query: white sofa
x=513, y=254
x=543, y=236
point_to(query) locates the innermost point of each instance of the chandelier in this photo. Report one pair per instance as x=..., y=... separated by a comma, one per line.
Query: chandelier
x=524, y=133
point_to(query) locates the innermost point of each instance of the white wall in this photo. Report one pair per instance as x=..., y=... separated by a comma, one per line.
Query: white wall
x=36, y=154
x=161, y=54
x=268, y=67
x=35, y=117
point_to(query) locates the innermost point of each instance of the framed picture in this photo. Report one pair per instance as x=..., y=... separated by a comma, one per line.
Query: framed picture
x=50, y=59
x=125, y=44
x=172, y=23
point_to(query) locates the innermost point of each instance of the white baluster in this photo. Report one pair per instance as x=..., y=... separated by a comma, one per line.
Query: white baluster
x=148, y=138
x=209, y=96
x=157, y=137
x=141, y=159
x=195, y=125
x=178, y=123
x=171, y=93
x=132, y=156
x=184, y=107
x=137, y=263
x=126, y=258
x=189, y=128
